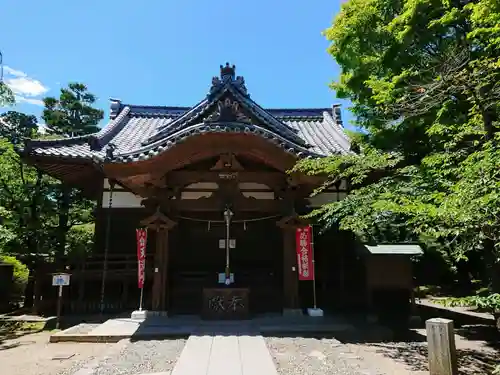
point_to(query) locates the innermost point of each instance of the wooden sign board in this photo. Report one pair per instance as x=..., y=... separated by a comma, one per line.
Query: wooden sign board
x=225, y=303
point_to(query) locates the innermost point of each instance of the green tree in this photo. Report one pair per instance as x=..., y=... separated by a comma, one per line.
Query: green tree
x=72, y=114
x=18, y=126
x=423, y=77
x=28, y=210
x=6, y=95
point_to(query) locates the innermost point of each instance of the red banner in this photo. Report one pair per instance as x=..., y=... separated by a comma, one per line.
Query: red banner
x=303, y=243
x=142, y=237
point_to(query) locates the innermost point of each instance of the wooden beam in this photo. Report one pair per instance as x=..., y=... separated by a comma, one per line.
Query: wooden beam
x=206, y=146
x=208, y=204
x=184, y=178
x=291, y=222
x=158, y=221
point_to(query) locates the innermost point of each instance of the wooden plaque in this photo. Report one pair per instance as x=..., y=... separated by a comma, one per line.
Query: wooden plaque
x=225, y=303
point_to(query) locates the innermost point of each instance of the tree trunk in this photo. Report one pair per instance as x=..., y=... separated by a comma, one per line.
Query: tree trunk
x=30, y=290
x=492, y=265
x=38, y=279
x=33, y=242
x=488, y=118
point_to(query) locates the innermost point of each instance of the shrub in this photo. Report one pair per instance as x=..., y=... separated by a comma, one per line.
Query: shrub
x=21, y=274
x=80, y=239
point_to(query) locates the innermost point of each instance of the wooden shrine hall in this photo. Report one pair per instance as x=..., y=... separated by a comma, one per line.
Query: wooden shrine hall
x=211, y=185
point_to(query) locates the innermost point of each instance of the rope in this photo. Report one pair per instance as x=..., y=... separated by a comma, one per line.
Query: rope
x=232, y=221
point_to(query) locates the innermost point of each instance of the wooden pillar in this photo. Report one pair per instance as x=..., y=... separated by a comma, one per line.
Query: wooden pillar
x=291, y=300
x=158, y=274
x=125, y=286
x=160, y=281
x=81, y=284
x=290, y=276
x=161, y=224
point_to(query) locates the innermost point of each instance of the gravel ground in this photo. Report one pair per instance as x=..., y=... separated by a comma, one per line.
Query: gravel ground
x=309, y=356
x=34, y=355
x=140, y=357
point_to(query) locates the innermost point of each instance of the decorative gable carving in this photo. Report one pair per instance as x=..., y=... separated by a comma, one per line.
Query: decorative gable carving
x=227, y=162
x=228, y=111
x=228, y=75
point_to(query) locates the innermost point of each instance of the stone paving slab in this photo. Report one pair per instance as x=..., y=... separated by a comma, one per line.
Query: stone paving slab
x=255, y=356
x=195, y=356
x=225, y=355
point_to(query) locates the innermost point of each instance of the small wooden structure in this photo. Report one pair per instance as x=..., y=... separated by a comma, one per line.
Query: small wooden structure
x=175, y=170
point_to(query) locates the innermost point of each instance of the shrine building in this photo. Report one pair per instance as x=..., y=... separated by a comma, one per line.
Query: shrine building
x=196, y=176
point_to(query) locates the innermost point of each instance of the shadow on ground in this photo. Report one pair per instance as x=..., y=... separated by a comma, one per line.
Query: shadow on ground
x=478, y=349
x=11, y=330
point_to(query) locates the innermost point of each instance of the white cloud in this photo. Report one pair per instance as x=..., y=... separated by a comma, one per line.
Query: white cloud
x=25, y=88
x=20, y=99
x=12, y=72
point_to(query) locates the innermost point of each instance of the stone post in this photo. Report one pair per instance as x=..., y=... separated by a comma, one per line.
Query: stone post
x=441, y=347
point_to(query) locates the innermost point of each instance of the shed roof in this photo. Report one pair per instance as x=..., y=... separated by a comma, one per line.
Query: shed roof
x=395, y=249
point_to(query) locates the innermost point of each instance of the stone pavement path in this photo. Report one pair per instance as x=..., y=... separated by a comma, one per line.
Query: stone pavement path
x=225, y=355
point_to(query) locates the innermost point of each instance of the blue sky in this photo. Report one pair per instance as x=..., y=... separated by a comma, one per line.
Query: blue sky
x=166, y=52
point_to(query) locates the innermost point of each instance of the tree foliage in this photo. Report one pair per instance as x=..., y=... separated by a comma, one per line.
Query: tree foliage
x=6, y=95
x=18, y=126
x=423, y=77
x=73, y=112
x=40, y=216
x=20, y=276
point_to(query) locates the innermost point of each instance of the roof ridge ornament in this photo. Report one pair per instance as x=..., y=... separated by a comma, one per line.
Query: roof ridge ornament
x=114, y=108
x=228, y=111
x=227, y=72
x=228, y=76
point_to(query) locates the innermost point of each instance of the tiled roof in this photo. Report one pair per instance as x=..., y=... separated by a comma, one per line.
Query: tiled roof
x=141, y=132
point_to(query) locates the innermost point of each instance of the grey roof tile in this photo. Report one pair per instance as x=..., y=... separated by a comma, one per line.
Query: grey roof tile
x=140, y=132
x=136, y=128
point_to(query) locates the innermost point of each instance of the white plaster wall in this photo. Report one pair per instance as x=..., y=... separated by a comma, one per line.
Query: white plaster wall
x=258, y=194
x=202, y=185
x=195, y=194
x=121, y=199
x=324, y=198
x=253, y=185
x=343, y=185
x=107, y=186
